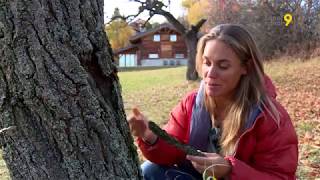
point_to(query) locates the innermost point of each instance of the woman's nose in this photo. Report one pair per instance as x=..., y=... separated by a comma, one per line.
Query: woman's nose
x=213, y=73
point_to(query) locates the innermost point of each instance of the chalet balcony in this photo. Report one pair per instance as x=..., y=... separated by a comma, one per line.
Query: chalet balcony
x=164, y=62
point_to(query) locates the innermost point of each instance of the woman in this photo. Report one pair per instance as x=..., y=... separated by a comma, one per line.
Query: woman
x=234, y=118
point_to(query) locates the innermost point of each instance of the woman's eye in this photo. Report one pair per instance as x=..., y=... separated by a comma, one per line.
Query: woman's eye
x=208, y=63
x=224, y=66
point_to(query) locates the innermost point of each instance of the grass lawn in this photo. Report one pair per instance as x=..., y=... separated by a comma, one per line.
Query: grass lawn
x=156, y=92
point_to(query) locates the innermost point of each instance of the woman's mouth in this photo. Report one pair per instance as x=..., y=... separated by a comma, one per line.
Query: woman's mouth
x=213, y=85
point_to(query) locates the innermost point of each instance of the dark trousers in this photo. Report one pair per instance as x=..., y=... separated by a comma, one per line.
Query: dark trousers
x=152, y=171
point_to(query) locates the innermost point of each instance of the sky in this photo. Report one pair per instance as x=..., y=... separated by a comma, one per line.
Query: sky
x=128, y=7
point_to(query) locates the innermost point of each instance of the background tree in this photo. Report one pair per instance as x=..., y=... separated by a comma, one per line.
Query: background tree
x=118, y=31
x=264, y=18
x=153, y=25
x=190, y=34
x=196, y=10
x=61, y=110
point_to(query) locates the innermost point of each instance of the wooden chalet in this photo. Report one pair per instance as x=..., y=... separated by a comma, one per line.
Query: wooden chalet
x=161, y=46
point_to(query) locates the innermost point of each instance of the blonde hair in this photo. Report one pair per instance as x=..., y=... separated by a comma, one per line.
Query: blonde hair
x=251, y=88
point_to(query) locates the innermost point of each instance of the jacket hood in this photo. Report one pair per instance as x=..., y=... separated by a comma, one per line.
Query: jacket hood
x=269, y=87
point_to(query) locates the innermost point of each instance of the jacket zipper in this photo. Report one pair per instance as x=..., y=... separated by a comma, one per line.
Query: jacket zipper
x=248, y=130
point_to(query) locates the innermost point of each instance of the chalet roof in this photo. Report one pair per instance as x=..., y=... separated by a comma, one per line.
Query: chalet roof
x=137, y=25
x=131, y=46
x=134, y=39
x=151, y=31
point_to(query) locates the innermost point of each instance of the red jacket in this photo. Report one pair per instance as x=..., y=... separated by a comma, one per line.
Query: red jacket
x=264, y=151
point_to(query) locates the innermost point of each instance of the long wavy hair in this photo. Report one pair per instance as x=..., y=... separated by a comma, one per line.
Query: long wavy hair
x=250, y=90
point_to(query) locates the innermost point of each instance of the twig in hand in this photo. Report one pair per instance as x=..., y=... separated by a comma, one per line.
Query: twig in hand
x=166, y=137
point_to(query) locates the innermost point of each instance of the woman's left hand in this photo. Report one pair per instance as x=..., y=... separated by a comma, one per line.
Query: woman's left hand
x=221, y=169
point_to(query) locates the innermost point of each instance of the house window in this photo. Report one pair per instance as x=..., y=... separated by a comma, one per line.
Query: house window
x=179, y=56
x=156, y=37
x=153, y=56
x=127, y=60
x=173, y=37
x=172, y=63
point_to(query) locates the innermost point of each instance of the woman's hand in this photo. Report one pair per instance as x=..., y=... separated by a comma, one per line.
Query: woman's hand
x=221, y=167
x=138, y=124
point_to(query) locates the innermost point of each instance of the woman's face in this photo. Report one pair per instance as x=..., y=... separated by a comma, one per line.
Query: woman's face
x=221, y=69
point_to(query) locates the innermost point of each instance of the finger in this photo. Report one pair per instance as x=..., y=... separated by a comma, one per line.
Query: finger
x=132, y=124
x=197, y=159
x=132, y=129
x=203, y=160
x=210, y=154
x=200, y=168
x=207, y=155
x=216, y=158
x=137, y=114
x=135, y=133
x=136, y=111
x=131, y=119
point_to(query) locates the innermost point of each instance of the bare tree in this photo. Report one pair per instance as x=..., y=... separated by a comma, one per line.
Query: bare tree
x=190, y=34
x=61, y=110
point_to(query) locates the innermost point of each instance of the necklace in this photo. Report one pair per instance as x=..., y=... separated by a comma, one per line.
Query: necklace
x=215, y=122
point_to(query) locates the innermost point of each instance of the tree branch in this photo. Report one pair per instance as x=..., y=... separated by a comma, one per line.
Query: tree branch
x=156, y=7
x=198, y=25
x=172, y=20
x=271, y=8
x=128, y=18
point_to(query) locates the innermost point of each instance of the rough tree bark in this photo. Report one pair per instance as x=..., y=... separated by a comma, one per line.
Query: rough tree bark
x=61, y=110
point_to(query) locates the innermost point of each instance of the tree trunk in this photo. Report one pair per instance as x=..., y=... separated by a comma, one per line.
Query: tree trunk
x=61, y=110
x=191, y=40
x=190, y=35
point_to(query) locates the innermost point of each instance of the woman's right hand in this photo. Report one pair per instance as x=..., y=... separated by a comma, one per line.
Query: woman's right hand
x=138, y=123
